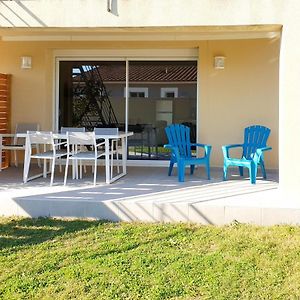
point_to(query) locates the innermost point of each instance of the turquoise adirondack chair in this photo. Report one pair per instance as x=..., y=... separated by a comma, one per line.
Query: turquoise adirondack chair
x=255, y=143
x=180, y=146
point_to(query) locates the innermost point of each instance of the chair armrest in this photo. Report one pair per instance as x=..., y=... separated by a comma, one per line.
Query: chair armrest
x=200, y=145
x=174, y=149
x=60, y=144
x=100, y=144
x=259, y=153
x=226, y=148
x=207, y=148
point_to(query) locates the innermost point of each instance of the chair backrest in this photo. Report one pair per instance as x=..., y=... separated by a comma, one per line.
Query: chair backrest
x=106, y=131
x=255, y=137
x=71, y=129
x=81, y=138
x=24, y=127
x=40, y=137
x=179, y=136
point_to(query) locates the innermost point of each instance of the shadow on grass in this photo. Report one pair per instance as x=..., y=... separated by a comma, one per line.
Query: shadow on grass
x=19, y=232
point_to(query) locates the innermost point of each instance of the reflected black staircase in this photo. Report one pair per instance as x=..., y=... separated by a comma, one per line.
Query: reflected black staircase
x=92, y=106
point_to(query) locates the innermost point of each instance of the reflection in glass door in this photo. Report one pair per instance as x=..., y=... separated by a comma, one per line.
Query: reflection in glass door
x=160, y=93
x=93, y=94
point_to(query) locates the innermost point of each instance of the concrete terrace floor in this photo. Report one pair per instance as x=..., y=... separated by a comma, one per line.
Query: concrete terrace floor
x=147, y=194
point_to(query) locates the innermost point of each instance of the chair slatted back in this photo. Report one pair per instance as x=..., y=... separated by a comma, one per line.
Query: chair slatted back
x=40, y=137
x=81, y=138
x=71, y=129
x=24, y=127
x=179, y=136
x=106, y=131
x=255, y=136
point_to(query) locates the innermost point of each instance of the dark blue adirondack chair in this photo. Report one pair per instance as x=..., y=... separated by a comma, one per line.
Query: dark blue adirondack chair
x=180, y=145
x=255, y=143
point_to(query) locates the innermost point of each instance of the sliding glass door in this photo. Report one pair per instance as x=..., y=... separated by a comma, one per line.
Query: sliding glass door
x=93, y=94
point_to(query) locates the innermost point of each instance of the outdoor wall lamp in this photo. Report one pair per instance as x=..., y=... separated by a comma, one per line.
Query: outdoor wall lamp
x=26, y=62
x=219, y=62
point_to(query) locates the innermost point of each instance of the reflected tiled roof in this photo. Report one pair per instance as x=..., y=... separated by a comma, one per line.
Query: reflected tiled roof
x=150, y=72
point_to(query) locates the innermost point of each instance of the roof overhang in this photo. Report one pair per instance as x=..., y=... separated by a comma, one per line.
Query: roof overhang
x=176, y=33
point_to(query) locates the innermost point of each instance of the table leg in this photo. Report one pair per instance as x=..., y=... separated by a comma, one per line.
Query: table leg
x=26, y=161
x=107, y=162
x=124, y=154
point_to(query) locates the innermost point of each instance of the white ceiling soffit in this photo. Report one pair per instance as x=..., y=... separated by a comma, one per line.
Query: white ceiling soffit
x=142, y=34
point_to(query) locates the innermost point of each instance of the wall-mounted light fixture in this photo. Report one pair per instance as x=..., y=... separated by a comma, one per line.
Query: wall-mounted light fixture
x=219, y=62
x=26, y=62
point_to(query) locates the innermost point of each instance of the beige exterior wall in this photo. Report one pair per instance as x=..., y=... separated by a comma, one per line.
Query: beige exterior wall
x=93, y=15
x=244, y=93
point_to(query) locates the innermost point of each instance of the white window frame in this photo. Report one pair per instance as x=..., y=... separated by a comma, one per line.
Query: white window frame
x=137, y=90
x=163, y=92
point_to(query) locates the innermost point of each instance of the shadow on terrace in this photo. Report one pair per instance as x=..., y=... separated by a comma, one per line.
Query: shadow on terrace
x=145, y=194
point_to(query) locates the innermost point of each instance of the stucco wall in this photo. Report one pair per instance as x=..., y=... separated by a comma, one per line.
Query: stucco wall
x=93, y=13
x=244, y=93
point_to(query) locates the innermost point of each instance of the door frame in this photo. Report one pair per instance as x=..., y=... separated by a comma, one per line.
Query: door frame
x=123, y=55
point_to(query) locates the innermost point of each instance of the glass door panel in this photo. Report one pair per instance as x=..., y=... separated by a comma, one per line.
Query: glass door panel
x=160, y=93
x=91, y=94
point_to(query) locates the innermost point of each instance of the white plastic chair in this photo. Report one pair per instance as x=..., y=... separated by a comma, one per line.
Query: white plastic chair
x=114, y=147
x=19, y=143
x=45, y=139
x=64, y=130
x=75, y=141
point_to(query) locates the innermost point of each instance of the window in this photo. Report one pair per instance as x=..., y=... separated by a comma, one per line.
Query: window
x=137, y=92
x=171, y=92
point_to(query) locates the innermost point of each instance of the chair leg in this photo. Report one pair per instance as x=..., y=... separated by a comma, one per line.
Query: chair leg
x=208, y=170
x=76, y=168
x=263, y=170
x=26, y=169
x=170, y=168
x=224, y=172
x=38, y=151
x=241, y=169
x=16, y=158
x=180, y=172
x=253, y=171
x=95, y=172
x=52, y=171
x=60, y=166
x=66, y=171
x=117, y=157
x=111, y=159
x=45, y=168
x=80, y=169
x=192, y=169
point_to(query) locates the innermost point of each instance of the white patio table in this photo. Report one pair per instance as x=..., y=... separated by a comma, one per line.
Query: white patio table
x=106, y=137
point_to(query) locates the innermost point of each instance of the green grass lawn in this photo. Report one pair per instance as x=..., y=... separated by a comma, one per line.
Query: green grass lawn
x=56, y=259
